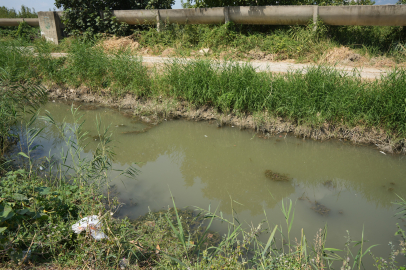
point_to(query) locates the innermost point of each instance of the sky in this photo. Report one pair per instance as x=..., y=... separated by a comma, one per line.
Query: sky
x=45, y=5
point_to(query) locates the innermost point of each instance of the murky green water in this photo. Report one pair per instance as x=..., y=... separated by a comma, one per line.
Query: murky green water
x=204, y=165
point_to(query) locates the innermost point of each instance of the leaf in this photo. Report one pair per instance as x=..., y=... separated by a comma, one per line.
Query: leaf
x=332, y=249
x=369, y=249
x=6, y=212
x=23, y=154
x=23, y=211
x=2, y=229
x=43, y=190
x=19, y=197
x=268, y=244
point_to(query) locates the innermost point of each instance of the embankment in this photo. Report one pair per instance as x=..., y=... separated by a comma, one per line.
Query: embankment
x=156, y=110
x=320, y=103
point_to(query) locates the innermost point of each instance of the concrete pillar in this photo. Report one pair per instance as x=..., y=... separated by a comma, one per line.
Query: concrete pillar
x=50, y=25
x=159, y=25
x=315, y=16
x=226, y=14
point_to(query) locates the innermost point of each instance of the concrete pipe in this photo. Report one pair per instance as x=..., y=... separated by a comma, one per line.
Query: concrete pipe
x=394, y=15
x=136, y=16
x=17, y=21
x=193, y=15
x=271, y=15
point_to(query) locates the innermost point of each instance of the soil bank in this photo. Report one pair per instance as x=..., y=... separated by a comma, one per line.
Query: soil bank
x=153, y=111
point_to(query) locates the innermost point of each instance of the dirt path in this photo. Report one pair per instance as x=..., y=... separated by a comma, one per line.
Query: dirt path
x=277, y=67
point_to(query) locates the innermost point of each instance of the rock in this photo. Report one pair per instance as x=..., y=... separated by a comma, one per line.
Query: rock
x=145, y=119
x=354, y=57
x=124, y=263
x=205, y=51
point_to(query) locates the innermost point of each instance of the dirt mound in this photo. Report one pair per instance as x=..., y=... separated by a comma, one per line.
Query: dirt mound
x=119, y=44
x=169, y=52
x=259, y=55
x=342, y=55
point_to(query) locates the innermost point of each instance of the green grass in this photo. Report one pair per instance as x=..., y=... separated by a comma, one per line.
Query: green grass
x=320, y=95
x=293, y=42
x=14, y=99
x=41, y=198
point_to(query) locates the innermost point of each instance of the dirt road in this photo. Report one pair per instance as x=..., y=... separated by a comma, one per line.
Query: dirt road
x=278, y=67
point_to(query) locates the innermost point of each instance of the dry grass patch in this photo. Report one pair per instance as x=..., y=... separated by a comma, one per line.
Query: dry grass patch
x=342, y=55
x=116, y=44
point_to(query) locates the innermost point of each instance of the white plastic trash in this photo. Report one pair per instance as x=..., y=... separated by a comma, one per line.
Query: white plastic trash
x=91, y=223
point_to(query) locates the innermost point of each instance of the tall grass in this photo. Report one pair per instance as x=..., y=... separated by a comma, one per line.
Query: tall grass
x=316, y=96
x=320, y=95
x=284, y=42
x=40, y=202
x=15, y=99
x=297, y=42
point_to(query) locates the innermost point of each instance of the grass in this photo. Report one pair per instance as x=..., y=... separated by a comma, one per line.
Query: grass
x=321, y=95
x=283, y=42
x=42, y=198
x=14, y=99
x=242, y=41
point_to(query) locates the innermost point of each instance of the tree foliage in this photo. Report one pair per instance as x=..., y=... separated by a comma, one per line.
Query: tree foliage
x=23, y=31
x=25, y=12
x=89, y=17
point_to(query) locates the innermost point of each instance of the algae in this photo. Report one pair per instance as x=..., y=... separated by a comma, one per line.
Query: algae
x=320, y=209
x=274, y=176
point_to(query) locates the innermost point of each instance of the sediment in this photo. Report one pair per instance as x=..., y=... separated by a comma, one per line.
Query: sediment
x=154, y=110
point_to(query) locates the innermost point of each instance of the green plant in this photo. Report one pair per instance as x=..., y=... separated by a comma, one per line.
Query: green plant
x=14, y=99
x=92, y=17
x=23, y=31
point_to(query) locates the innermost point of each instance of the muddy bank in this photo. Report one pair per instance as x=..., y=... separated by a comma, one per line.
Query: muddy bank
x=152, y=111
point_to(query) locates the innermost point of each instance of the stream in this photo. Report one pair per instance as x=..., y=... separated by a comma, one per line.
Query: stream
x=348, y=187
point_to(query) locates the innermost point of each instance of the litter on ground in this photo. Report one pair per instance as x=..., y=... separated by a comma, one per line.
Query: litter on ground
x=92, y=224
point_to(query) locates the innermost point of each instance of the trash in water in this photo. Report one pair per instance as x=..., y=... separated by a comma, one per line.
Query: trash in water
x=382, y=152
x=91, y=223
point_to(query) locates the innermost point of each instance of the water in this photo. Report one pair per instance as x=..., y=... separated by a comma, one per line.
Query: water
x=202, y=165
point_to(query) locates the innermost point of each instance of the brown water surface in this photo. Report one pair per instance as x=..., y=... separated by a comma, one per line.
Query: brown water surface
x=345, y=186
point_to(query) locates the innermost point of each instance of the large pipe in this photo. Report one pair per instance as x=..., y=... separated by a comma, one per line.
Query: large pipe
x=272, y=15
x=394, y=15
x=193, y=15
x=17, y=21
x=141, y=16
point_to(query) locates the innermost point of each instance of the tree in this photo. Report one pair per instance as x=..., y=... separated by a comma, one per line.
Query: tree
x=25, y=12
x=89, y=17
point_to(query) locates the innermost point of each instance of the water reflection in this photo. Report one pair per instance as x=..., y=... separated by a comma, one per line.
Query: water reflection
x=345, y=185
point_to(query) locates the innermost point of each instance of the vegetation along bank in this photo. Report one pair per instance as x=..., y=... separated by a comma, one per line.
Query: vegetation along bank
x=42, y=198
x=321, y=104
